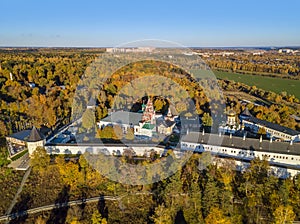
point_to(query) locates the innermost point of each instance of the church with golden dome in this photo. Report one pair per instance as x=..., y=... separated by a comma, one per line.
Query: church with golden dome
x=231, y=125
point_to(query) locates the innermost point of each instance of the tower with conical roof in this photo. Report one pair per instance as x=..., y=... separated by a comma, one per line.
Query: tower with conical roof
x=35, y=139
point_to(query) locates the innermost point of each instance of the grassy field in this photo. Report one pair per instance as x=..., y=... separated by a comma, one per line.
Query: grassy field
x=276, y=85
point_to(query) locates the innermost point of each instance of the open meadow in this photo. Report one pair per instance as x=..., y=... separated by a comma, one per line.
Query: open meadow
x=276, y=85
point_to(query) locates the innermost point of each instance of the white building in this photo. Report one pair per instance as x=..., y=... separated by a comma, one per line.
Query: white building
x=35, y=139
x=272, y=130
x=282, y=154
x=165, y=124
x=128, y=120
x=144, y=124
x=129, y=49
x=26, y=139
x=286, y=50
x=231, y=125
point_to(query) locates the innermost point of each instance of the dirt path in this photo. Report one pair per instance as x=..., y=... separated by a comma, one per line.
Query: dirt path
x=14, y=201
x=67, y=204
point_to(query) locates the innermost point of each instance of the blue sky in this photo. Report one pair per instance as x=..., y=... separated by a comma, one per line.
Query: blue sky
x=109, y=23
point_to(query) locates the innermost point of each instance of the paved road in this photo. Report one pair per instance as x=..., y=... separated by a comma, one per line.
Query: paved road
x=67, y=204
x=21, y=163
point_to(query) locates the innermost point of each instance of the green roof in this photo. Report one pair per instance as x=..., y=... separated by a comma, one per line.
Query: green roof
x=148, y=126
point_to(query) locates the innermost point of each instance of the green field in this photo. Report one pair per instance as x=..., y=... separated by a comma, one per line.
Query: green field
x=276, y=85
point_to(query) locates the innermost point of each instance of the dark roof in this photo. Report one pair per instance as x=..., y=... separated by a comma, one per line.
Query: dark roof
x=246, y=115
x=124, y=117
x=91, y=103
x=273, y=126
x=35, y=135
x=28, y=135
x=21, y=135
x=246, y=112
x=166, y=123
x=247, y=144
x=44, y=130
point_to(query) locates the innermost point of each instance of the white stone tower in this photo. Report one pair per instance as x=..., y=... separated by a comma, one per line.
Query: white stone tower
x=34, y=140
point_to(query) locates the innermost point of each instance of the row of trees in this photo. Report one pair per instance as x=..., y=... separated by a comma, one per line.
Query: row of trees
x=266, y=64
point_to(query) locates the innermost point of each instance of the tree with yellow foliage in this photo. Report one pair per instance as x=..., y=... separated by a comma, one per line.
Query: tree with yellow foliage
x=216, y=216
x=162, y=215
x=284, y=215
x=39, y=159
x=97, y=218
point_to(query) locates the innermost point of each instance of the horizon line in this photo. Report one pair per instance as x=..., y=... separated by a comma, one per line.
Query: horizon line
x=95, y=47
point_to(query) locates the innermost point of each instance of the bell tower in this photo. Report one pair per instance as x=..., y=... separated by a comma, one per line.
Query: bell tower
x=149, y=113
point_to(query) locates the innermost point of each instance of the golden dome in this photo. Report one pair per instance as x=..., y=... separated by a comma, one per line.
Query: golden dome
x=231, y=113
